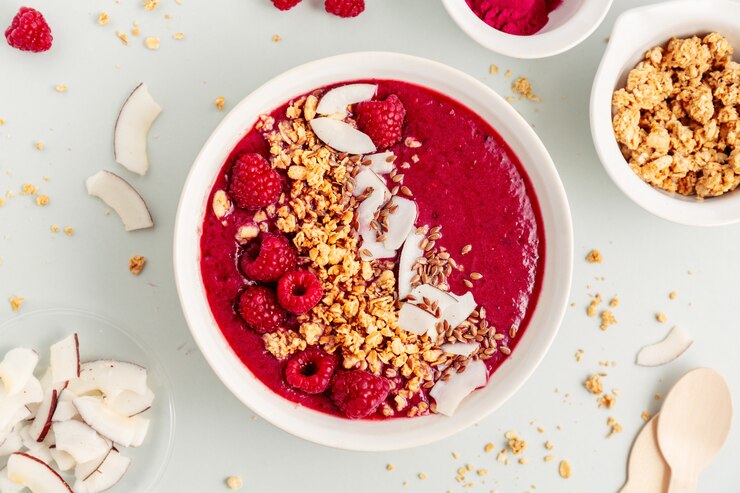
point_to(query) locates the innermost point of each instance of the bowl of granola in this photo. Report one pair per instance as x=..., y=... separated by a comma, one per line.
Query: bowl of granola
x=664, y=110
x=373, y=251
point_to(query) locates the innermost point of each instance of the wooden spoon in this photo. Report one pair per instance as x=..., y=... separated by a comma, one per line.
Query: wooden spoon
x=693, y=426
x=647, y=471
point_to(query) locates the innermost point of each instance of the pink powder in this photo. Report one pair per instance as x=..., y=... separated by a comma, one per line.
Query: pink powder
x=519, y=17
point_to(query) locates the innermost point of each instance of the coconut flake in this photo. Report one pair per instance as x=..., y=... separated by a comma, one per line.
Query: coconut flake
x=380, y=194
x=460, y=311
x=64, y=359
x=132, y=127
x=415, y=320
x=122, y=198
x=449, y=394
x=341, y=136
x=409, y=255
x=400, y=222
x=336, y=100
x=460, y=348
x=674, y=345
x=35, y=474
x=382, y=162
x=110, y=472
x=434, y=295
x=16, y=369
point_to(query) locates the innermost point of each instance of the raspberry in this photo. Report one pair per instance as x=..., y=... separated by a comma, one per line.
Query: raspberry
x=381, y=120
x=267, y=258
x=345, y=8
x=311, y=370
x=254, y=184
x=259, y=307
x=299, y=291
x=29, y=31
x=358, y=393
x=285, y=4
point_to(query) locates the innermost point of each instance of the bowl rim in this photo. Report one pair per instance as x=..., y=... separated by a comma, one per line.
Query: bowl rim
x=626, y=47
x=585, y=20
x=331, y=430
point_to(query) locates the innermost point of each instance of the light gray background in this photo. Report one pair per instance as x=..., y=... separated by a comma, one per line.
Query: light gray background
x=228, y=50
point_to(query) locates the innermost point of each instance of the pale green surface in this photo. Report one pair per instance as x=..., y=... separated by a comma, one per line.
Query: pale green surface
x=229, y=51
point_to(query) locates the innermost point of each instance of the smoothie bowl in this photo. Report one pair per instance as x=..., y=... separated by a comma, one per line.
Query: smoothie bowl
x=373, y=251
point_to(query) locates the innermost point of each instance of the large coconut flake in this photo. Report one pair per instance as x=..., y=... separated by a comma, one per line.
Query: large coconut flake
x=381, y=163
x=415, y=320
x=342, y=136
x=122, y=198
x=674, y=345
x=335, y=101
x=409, y=255
x=401, y=222
x=132, y=127
x=449, y=394
x=460, y=348
x=460, y=311
x=428, y=292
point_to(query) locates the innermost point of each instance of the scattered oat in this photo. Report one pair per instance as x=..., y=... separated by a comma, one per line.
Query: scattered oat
x=135, y=31
x=179, y=36
x=614, y=302
x=672, y=295
x=507, y=73
x=136, y=264
x=646, y=416
x=42, y=200
x=276, y=38
x=123, y=37
x=68, y=231
x=481, y=472
x=493, y=69
x=103, y=19
x=549, y=458
x=523, y=88
x=579, y=355
x=234, y=482
x=594, y=384
x=549, y=445
x=220, y=103
x=523, y=460
x=488, y=448
x=607, y=319
x=389, y=467
x=455, y=455
x=661, y=317
x=39, y=145
x=152, y=42
x=54, y=229
x=422, y=475
x=60, y=88
x=594, y=257
x=151, y=4
x=564, y=469
x=16, y=302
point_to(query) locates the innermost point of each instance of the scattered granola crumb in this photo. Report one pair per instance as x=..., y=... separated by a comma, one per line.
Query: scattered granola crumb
x=136, y=264
x=579, y=355
x=594, y=257
x=123, y=37
x=661, y=317
x=42, y=200
x=614, y=302
x=523, y=460
x=152, y=42
x=422, y=475
x=591, y=310
x=594, y=384
x=455, y=455
x=481, y=472
x=2, y=122
x=151, y=4
x=646, y=416
x=389, y=467
x=493, y=69
x=135, y=31
x=523, y=88
x=507, y=73
x=234, y=482
x=39, y=145
x=68, y=230
x=220, y=103
x=179, y=36
x=614, y=426
x=276, y=38
x=60, y=88
x=488, y=448
x=54, y=229
x=672, y=295
x=549, y=445
x=509, y=99
x=564, y=469
x=103, y=18
x=2, y=201
x=607, y=401
x=516, y=444
x=28, y=189
x=16, y=302
x=549, y=458
x=657, y=396
x=607, y=319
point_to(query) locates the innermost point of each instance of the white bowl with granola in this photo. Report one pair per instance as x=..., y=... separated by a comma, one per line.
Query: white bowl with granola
x=340, y=290
x=664, y=110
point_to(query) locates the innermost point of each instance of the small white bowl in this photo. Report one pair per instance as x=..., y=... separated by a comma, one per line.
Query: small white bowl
x=569, y=24
x=635, y=32
x=403, y=432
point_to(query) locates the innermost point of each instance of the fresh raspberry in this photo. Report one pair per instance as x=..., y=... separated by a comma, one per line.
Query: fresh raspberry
x=254, y=184
x=345, y=8
x=29, y=31
x=311, y=370
x=381, y=120
x=358, y=393
x=267, y=258
x=299, y=291
x=258, y=306
x=285, y=4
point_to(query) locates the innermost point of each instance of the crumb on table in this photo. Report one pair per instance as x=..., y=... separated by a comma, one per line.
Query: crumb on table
x=136, y=264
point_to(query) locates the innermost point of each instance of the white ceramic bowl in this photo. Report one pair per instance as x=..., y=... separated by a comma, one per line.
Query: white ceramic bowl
x=635, y=32
x=399, y=433
x=569, y=24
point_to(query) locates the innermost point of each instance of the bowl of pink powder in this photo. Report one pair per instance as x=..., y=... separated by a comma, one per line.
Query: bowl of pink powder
x=528, y=28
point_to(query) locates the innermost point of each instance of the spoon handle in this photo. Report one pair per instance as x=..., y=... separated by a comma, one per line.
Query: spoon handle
x=682, y=482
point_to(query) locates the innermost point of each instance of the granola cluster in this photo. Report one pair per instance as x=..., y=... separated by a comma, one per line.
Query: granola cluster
x=677, y=118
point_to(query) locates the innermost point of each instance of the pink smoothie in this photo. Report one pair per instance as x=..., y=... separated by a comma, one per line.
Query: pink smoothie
x=466, y=179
